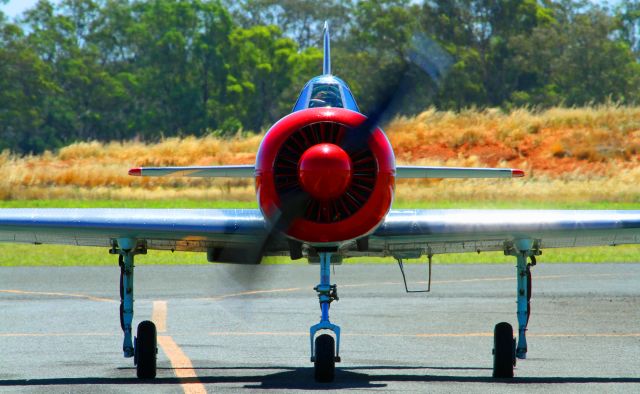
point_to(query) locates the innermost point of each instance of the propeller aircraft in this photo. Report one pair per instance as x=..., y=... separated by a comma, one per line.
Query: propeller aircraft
x=324, y=180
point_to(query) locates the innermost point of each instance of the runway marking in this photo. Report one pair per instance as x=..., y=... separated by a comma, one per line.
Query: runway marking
x=181, y=365
x=250, y=292
x=471, y=280
x=296, y=334
x=392, y=283
x=57, y=334
x=258, y=333
x=596, y=335
x=425, y=335
x=159, y=315
x=44, y=293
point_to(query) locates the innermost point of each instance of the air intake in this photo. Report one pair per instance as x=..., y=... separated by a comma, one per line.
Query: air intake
x=317, y=209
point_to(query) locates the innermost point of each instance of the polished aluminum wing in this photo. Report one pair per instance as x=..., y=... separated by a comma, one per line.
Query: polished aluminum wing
x=404, y=233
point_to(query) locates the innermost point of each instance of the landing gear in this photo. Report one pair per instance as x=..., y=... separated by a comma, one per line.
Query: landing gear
x=504, y=356
x=524, y=298
x=146, y=350
x=126, y=249
x=325, y=362
x=324, y=354
x=506, y=349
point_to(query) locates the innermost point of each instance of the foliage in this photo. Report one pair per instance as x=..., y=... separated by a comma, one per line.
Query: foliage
x=81, y=70
x=571, y=156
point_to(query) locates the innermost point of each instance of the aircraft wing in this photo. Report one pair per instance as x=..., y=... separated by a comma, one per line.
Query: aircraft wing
x=168, y=229
x=404, y=233
x=425, y=172
x=411, y=233
x=248, y=171
x=241, y=171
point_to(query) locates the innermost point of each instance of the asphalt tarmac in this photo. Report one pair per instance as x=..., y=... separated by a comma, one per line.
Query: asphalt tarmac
x=245, y=329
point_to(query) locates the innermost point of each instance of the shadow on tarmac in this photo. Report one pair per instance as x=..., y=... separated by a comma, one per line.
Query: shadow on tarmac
x=302, y=378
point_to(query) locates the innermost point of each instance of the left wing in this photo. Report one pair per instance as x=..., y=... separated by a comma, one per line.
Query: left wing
x=168, y=229
x=412, y=233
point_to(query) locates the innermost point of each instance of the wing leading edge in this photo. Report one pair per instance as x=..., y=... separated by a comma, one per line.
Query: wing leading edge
x=242, y=171
x=404, y=233
x=168, y=229
x=425, y=172
x=417, y=232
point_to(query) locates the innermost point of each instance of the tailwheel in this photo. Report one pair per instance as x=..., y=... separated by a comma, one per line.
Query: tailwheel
x=324, y=361
x=146, y=350
x=503, y=351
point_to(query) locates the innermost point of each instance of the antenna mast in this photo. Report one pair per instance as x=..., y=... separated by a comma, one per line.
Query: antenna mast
x=326, y=65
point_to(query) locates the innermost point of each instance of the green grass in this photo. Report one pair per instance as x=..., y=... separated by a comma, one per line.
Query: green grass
x=58, y=255
x=126, y=204
x=62, y=255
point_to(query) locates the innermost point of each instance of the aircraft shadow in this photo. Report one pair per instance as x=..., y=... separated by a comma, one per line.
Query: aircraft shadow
x=302, y=378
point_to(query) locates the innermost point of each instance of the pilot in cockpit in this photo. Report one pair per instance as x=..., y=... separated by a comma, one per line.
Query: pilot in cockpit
x=325, y=95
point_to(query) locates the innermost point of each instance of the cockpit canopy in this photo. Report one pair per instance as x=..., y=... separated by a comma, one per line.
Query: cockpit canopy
x=326, y=91
x=325, y=95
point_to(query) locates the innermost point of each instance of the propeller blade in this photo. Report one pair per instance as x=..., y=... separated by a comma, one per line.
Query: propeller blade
x=426, y=55
x=294, y=205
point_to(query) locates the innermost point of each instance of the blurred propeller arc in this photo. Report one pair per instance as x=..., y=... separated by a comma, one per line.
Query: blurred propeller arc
x=425, y=61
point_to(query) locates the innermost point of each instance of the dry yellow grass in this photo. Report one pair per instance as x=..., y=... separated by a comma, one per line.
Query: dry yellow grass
x=569, y=155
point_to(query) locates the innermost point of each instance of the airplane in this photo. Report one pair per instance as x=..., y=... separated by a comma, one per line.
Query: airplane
x=324, y=179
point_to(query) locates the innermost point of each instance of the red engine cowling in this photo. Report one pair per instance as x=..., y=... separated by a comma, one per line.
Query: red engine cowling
x=339, y=195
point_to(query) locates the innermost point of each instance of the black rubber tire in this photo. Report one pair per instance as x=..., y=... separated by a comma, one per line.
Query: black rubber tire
x=503, y=352
x=146, y=350
x=325, y=361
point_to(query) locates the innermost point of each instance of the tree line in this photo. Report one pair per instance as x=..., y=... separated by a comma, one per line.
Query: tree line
x=130, y=69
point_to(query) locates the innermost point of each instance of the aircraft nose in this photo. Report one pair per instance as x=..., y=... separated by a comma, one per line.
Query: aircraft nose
x=324, y=171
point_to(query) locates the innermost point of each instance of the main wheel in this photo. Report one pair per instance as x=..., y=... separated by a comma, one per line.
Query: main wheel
x=146, y=350
x=503, y=351
x=325, y=362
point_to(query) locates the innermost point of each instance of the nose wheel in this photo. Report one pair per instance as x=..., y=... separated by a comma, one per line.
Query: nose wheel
x=325, y=349
x=325, y=361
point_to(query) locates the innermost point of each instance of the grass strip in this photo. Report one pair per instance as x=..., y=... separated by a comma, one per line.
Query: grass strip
x=397, y=204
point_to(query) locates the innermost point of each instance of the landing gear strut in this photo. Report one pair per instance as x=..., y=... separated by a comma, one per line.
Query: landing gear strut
x=145, y=350
x=325, y=351
x=506, y=349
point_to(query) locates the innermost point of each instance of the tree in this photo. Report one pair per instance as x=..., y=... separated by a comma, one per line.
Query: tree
x=595, y=67
x=628, y=14
x=24, y=86
x=300, y=20
x=265, y=67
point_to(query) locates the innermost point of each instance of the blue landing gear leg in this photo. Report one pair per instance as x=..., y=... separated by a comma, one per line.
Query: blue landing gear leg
x=524, y=250
x=144, y=347
x=126, y=249
x=325, y=351
x=126, y=252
